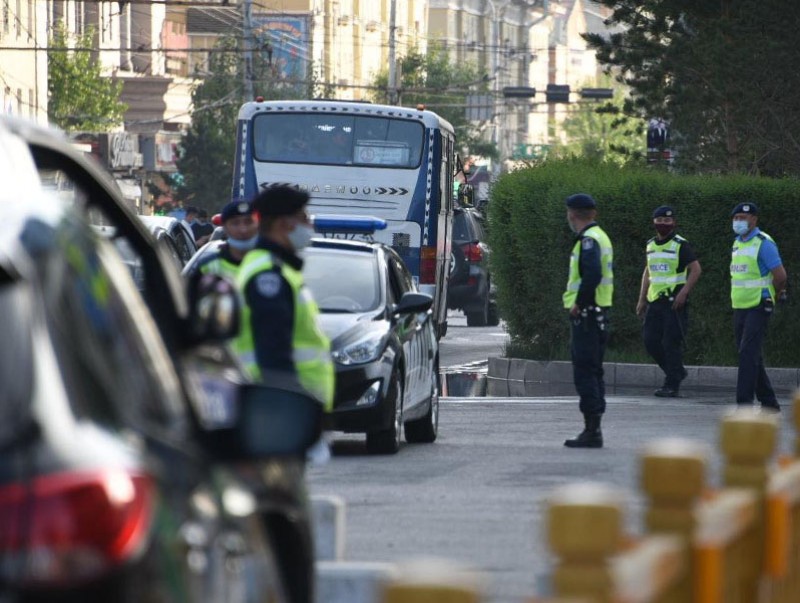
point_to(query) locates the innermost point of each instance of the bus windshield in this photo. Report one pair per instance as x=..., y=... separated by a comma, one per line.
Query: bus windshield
x=325, y=139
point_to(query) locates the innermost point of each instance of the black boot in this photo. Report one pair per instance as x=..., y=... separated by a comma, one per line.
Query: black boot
x=590, y=437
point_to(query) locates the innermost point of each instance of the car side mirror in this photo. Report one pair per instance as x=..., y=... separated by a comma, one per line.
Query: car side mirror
x=412, y=302
x=260, y=422
x=214, y=309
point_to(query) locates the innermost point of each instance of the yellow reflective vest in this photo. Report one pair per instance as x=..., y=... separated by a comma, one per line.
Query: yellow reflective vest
x=747, y=283
x=662, y=267
x=310, y=346
x=605, y=290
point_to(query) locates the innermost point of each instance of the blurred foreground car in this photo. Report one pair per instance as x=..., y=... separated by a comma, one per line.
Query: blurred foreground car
x=470, y=288
x=126, y=440
x=382, y=336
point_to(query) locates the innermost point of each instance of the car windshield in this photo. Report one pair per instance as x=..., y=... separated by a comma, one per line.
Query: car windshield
x=358, y=292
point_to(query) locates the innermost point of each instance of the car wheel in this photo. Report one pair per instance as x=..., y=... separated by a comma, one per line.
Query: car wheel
x=494, y=315
x=481, y=317
x=387, y=441
x=425, y=429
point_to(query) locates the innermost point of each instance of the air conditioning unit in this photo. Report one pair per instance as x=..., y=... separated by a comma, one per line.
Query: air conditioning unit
x=372, y=26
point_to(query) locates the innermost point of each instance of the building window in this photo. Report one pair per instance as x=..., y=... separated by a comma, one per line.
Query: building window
x=19, y=98
x=18, y=19
x=6, y=17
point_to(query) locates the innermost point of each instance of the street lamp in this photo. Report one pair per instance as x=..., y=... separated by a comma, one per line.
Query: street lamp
x=495, y=72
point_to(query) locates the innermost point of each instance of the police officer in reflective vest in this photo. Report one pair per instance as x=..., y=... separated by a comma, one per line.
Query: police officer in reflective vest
x=590, y=288
x=280, y=342
x=241, y=230
x=671, y=272
x=758, y=281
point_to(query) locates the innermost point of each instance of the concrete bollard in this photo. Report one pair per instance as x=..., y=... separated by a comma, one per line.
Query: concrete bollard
x=584, y=529
x=434, y=581
x=328, y=520
x=673, y=477
x=352, y=581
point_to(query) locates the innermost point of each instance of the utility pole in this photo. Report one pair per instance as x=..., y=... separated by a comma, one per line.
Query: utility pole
x=392, y=53
x=247, y=15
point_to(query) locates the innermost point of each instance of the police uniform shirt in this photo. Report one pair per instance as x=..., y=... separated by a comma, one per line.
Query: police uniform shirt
x=686, y=255
x=769, y=257
x=590, y=268
x=271, y=302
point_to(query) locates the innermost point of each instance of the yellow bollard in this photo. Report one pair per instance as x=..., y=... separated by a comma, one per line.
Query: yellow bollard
x=434, y=581
x=673, y=477
x=584, y=528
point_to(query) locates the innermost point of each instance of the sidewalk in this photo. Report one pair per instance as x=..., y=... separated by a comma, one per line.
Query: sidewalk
x=523, y=378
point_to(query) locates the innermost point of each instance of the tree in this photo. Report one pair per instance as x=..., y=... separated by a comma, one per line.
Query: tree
x=79, y=96
x=722, y=73
x=432, y=80
x=207, y=149
x=603, y=131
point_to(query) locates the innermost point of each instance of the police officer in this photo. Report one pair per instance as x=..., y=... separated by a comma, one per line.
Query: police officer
x=280, y=341
x=590, y=287
x=758, y=280
x=241, y=230
x=671, y=272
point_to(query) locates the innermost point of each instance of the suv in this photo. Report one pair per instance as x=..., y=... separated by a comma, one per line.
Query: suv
x=127, y=439
x=470, y=288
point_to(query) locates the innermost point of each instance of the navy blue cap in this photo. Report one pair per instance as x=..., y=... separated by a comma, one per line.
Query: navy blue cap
x=663, y=211
x=748, y=207
x=581, y=201
x=235, y=208
x=280, y=200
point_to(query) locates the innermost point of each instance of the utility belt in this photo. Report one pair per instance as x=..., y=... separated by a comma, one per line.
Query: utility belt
x=596, y=313
x=664, y=296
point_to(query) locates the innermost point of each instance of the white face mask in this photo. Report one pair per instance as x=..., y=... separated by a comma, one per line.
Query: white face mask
x=301, y=236
x=740, y=227
x=243, y=244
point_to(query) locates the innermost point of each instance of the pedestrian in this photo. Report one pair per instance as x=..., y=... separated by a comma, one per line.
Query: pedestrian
x=590, y=288
x=189, y=218
x=280, y=342
x=202, y=229
x=241, y=231
x=758, y=281
x=670, y=274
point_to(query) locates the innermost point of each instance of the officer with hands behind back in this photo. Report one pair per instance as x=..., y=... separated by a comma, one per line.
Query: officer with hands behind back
x=590, y=288
x=671, y=272
x=280, y=342
x=758, y=281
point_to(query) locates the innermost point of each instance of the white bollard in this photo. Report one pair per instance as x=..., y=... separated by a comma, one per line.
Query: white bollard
x=328, y=521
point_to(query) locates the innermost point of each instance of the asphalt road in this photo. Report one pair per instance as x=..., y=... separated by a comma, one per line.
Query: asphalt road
x=477, y=495
x=469, y=348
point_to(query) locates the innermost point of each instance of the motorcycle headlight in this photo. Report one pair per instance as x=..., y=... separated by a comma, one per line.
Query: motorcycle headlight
x=362, y=351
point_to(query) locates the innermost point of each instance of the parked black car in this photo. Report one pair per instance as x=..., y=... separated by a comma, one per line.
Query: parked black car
x=382, y=337
x=128, y=444
x=470, y=288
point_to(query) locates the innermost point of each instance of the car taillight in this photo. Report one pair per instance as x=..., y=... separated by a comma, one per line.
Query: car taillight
x=472, y=252
x=427, y=265
x=69, y=528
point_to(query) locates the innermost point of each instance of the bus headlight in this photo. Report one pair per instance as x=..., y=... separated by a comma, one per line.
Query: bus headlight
x=362, y=351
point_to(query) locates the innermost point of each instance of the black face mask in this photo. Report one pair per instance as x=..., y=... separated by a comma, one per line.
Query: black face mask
x=664, y=230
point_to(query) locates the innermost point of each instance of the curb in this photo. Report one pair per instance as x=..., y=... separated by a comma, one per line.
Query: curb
x=508, y=376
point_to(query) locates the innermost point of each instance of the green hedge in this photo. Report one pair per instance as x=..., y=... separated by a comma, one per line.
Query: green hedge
x=531, y=243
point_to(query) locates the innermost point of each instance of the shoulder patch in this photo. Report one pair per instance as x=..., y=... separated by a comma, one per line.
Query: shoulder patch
x=268, y=284
x=587, y=243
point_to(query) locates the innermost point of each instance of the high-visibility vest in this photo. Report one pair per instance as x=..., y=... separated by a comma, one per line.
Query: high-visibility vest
x=310, y=346
x=221, y=266
x=605, y=290
x=662, y=267
x=747, y=284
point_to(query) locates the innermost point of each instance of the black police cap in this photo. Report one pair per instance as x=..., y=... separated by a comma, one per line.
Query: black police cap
x=581, y=201
x=280, y=200
x=747, y=207
x=235, y=208
x=663, y=211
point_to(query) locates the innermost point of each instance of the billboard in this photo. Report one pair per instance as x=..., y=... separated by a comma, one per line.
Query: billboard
x=284, y=42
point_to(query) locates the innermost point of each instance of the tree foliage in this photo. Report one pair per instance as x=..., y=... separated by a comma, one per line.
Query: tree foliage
x=433, y=80
x=722, y=73
x=207, y=149
x=79, y=97
x=602, y=131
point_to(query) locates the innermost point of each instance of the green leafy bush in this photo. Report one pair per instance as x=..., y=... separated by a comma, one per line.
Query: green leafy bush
x=531, y=243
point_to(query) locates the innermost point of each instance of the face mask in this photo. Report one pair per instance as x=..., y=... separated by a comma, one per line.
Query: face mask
x=663, y=230
x=300, y=237
x=243, y=244
x=740, y=227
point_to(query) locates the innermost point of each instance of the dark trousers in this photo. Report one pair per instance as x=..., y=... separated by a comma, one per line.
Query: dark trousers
x=750, y=327
x=663, y=334
x=587, y=347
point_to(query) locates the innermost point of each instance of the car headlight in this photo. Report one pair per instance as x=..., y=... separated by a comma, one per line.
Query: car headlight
x=362, y=351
